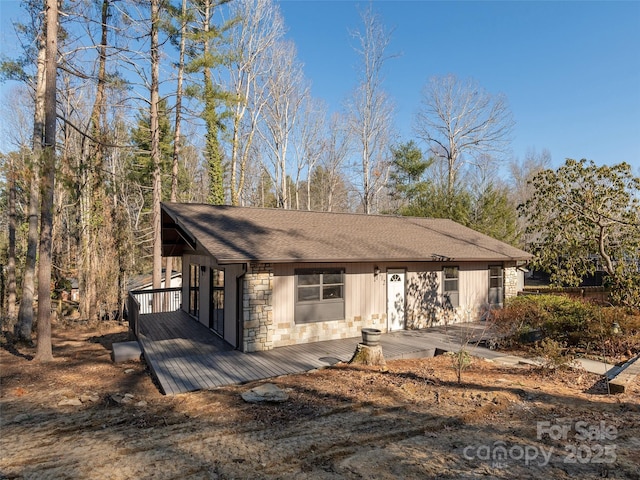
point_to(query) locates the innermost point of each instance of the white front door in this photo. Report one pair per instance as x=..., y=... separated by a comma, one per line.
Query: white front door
x=395, y=299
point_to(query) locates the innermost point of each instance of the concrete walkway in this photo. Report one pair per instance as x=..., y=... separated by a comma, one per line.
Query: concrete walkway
x=454, y=337
x=618, y=376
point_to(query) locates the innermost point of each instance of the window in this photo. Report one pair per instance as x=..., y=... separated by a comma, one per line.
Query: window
x=319, y=295
x=495, y=277
x=216, y=310
x=495, y=285
x=194, y=289
x=451, y=287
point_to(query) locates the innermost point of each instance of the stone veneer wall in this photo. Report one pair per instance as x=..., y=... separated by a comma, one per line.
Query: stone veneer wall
x=287, y=334
x=510, y=282
x=257, y=307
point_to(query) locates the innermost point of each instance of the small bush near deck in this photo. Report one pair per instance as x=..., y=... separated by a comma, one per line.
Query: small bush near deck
x=554, y=354
x=570, y=321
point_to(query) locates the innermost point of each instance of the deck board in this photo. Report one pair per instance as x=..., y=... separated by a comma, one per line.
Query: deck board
x=184, y=355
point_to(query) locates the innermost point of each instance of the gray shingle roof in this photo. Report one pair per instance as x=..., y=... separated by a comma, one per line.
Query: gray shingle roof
x=240, y=234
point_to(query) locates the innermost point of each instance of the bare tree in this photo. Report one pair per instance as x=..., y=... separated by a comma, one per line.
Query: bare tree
x=461, y=122
x=371, y=111
x=522, y=172
x=309, y=144
x=287, y=90
x=89, y=89
x=11, y=260
x=155, y=146
x=259, y=27
x=16, y=122
x=91, y=187
x=177, y=140
x=338, y=144
x=521, y=188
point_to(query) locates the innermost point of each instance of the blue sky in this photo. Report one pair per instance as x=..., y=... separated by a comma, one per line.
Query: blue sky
x=571, y=70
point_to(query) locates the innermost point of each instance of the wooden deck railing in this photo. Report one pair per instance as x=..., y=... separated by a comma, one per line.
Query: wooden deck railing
x=143, y=302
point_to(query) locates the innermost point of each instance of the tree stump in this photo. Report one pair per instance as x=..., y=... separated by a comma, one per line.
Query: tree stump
x=369, y=355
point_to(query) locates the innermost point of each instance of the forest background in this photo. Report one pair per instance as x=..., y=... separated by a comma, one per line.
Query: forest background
x=207, y=101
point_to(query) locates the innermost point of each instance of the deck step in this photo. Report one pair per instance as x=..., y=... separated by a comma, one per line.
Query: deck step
x=621, y=382
x=622, y=376
x=126, y=352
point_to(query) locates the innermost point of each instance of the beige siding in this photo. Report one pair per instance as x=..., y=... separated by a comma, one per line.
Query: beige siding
x=423, y=295
x=425, y=291
x=364, y=305
x=366, y=296
x=230, y=293
x=231, y=274
x=474, y=290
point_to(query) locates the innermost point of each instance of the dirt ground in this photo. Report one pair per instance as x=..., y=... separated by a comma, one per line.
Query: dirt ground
x=414, y=421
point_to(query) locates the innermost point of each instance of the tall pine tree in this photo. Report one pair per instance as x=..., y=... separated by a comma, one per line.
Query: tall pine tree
x=205, y=56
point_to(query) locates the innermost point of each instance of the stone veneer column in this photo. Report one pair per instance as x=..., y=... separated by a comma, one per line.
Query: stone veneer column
x=510, y=282
x=258, y=308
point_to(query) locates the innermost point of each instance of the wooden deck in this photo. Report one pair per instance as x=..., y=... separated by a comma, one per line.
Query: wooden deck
x=186, y=356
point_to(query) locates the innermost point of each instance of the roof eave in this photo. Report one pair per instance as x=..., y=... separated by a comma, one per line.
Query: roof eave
x=434, y=259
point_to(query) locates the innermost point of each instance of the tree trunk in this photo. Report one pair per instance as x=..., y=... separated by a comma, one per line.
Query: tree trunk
x=25, y=314
x=177, y=140
x=95, y=197
x=608, y=262
x=369, y=355
x=43, y=351
x=155, y=151
x=235, y=140
x=177, y=135
x=11, y=261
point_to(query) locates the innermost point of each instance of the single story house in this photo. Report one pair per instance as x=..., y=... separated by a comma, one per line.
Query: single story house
x=264, y=278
